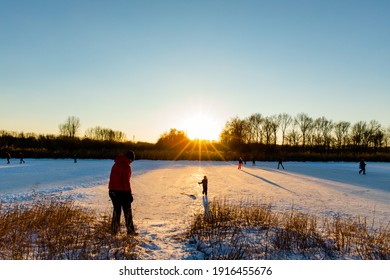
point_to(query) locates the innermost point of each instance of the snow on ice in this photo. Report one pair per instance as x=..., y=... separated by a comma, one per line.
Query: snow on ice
x=167, y=194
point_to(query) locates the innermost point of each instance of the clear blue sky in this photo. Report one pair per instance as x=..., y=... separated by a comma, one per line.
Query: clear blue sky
x=143, y=66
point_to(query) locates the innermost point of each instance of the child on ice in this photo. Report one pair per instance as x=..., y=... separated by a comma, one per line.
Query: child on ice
x=240, y=161
x=204, y=184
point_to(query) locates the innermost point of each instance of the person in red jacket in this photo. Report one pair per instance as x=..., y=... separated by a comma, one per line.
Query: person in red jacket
x=120, y=192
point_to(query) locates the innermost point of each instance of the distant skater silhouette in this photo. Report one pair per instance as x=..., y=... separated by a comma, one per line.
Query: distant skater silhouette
x=280, y=163
x=362, y=167
x=240, y=161
x=21, y=158
x=8, y=156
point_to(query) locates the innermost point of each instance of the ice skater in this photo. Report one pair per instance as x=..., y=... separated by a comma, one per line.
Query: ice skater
x=280, y=163
x=204, y=183
x=362, y=167
x=240, y=161
x=21, y=158
x=8, y=156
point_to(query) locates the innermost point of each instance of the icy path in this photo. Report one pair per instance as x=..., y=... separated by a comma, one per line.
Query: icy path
x=167, y=197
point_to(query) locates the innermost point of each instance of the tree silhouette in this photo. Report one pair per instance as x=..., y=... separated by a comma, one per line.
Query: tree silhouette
x=173, y=139
x=70, y=127
x=304, y=123
x=341, y=130
x=104, y=134
x=285, y=121
x=235, y=131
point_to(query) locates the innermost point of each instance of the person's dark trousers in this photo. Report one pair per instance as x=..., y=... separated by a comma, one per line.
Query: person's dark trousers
x=121, y=200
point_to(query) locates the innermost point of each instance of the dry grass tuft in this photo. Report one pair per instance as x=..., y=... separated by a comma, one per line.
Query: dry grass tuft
x=52, y=229
x=255, y=231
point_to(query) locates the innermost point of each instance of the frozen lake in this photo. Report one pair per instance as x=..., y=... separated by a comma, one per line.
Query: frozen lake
x=167, y=194
x=52, y=175
x=300, y=181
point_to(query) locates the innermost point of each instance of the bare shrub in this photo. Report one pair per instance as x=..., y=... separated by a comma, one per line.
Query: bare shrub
x=298, y=233
x=227, y=231
x=355, y=237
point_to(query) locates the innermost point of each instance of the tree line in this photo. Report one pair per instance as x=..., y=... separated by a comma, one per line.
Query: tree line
x=254, y=137
x=306, y=132
x=71, y=127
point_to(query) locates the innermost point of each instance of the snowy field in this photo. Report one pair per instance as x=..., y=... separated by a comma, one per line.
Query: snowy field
x=167, y=194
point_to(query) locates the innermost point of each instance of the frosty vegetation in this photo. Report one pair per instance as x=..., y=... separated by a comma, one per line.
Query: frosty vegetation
x=52, y=229
x=253, y=232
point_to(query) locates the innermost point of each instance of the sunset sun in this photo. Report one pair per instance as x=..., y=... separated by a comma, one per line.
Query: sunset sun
x=201, y=126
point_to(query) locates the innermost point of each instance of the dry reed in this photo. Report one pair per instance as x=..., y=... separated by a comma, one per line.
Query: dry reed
x=53, y=229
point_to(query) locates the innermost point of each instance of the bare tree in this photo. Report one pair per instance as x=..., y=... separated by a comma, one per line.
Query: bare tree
x=275, y=123
x=341, y=133
x=386, y=138
x=358, y=132
x=375, y=134
x=304, y=123
x=268, y=128
x=71, y=127
x=316, y=132
x=255, y=121
x=323, y=131
x=293, y=138
x=235, y=131
x=105, y=134
x=285, y=121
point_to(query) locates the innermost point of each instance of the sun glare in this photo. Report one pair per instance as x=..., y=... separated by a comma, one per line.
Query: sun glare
x=201, y=127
